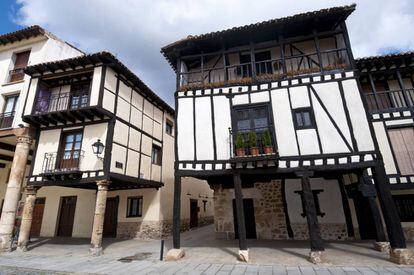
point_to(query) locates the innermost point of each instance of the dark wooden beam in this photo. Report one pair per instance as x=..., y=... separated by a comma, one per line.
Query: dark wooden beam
x=2, y=165
x=308, y=202
x=10, y=147
x=241, y=227
x=347, y=209
x=389, y=211
x=10, y=158
x=177, y=212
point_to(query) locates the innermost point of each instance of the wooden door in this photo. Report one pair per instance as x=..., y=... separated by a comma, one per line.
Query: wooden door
x=249, y=219
x=66, y=217
x=70, y=150
x=193, y=213
x=38, y=210
x=111, y=217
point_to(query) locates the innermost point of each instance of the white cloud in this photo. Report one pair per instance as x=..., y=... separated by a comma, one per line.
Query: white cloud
x=135, y=30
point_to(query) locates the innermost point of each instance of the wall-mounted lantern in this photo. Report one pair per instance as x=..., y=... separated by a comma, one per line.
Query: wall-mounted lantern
x=97, y=148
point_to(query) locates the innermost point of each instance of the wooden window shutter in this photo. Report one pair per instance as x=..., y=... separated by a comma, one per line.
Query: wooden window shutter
x=21, y=60
x=402, y=141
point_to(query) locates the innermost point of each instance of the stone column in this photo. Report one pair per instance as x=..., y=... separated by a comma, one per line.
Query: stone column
x=27, y=218
x=11, y=199
x=98, y=220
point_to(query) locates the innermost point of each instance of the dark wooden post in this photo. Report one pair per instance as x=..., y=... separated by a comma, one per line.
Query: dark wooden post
x=310, y=211
x=318, y=50
x=374, y=90
x=401, y=83
x=389, y=211
x=239, y=211
x=347, y=209
x=177, y=212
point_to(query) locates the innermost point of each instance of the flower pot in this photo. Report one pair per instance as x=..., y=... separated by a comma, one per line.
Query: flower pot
x=268, y=149
x=240, y=152
x=254, y=151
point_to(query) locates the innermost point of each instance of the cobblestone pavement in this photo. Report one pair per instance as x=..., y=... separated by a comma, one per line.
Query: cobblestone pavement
x=204, y=255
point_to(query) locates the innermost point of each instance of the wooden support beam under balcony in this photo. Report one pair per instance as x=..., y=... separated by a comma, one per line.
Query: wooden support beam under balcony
x=86, y=113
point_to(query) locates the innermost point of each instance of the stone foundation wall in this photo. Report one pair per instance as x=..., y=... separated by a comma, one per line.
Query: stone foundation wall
x=154, y=229
x=409, y=233
x=329, y=231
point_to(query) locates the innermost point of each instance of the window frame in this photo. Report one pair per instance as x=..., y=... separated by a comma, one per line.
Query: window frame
x=139, y=209
x=159, y=156
x=302, y=110
x=250, y=107
x=169, y=123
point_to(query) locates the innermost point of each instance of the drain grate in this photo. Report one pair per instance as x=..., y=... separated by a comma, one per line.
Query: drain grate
x=136, y=257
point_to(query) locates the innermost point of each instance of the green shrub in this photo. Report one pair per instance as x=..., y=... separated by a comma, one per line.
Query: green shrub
x=239, y=141
x=252, y=139
x=267, y=139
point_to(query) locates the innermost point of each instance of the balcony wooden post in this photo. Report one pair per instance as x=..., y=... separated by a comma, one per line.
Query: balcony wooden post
x=348, y=44
x=318, y=50
x=401, y=83
x=253, y=61
x=374, y=90
x=12, y=196
x=282, y=54
x=24, y=233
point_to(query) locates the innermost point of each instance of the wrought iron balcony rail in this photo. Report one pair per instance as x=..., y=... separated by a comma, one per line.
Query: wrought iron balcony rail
x=61, y=102
x=66, y=161
x=240, y=142
x=6, y=120
x=383, y=100
x=16, y=75
x=272, y=69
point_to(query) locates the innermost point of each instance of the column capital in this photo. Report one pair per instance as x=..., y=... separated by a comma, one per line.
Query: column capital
x=31, y=190
x=24, y=139
x=103, y=184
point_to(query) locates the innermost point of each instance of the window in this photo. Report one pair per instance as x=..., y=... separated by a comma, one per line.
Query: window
x=205, y=205
x=316, y=201
x=303, y=118
x=169, y=127
x=253, y=118
x=405, y=207
x=402, y=142
x=70, y=150
x=134, y=207
x=21, y=60
x=10, y=106
x=156, y=155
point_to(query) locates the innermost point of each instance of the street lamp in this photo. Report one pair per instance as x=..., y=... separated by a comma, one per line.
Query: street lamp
x=97, y=148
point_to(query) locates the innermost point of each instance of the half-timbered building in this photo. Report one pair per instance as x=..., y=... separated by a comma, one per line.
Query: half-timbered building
x=388, y=88
x=272, y=116
x=28, y=46
x=103, y=160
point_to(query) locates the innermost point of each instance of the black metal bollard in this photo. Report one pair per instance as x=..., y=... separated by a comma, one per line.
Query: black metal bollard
x=162, y=250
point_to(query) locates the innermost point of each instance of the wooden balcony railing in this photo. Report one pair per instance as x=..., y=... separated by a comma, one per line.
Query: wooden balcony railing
x=6, y=120
x=67, y=161
x=383, y=100
x=16, y=75
x=61, y=102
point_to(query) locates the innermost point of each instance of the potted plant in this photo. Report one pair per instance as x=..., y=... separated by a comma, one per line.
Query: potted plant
x=239, y=145
x=267, y=142
x=254, y=150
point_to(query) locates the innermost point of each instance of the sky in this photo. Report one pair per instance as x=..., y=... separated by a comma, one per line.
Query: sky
x=135, y=30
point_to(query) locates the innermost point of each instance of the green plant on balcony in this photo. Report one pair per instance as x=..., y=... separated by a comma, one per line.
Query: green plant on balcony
x=240, y=145
x=254, y=150
x=267, y=142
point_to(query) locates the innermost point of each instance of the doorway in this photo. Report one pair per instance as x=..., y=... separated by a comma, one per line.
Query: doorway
x=38, y=210
x=193, y=213
x=66, y=216
x=249, y=219
x=111, y=217
x=364, y=216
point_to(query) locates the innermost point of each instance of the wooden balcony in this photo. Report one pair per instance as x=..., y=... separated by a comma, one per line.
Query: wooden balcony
x=389, y=100
x=60, y=166
x=6, y=120
x=63, y=108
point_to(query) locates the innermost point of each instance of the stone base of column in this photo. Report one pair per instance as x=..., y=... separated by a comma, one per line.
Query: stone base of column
x=402, y=256
x=174, y=254
x=317, y=257
x=244, y=255
x=22, y=247
x=382, y=246
x=5, y=243
x=96, y=251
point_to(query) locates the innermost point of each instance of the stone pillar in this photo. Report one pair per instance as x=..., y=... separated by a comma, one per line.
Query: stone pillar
x=11, y=199
x=27, y=218
x=98, y=219
x=317, y=253
x=176, y=252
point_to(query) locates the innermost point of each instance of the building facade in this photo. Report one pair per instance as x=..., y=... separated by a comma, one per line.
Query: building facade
x=29, y=46
x=387, y=85
x=102, y=160
x=272, y=116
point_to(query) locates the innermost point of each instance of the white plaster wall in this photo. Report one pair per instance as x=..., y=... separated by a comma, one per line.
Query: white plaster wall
x=308, y=142
x=330, y=200
x=357, y=115
x=259, y=97
x=286, y=139
x=91, y=134
x=204, y=132
x=96, y=86
x=48, y=143
x=118, y=155
x=185, y=138
x=299, y=97
x=385, y=147
x=222, y=123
